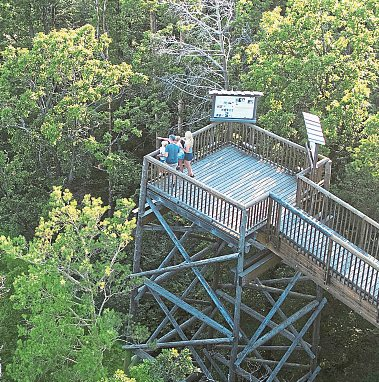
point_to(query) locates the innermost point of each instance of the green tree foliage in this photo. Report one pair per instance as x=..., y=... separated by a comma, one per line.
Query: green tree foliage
x=21, y=20
x=74, y=114
x=59, y=121
x=76, y=271
x=363, y=173
x=170, y=365
x=367, y=153
x=119, y=376
x=318, y=57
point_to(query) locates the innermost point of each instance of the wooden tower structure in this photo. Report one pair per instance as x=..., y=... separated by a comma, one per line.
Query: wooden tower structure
x=258, y=201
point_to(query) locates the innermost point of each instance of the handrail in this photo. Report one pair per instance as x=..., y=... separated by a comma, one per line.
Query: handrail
x=340, y=201
x=205, y=128
x=337, y=258
x=323, y=160
x=252, y=139
x=257, y=212
x=195, y=182
x=257, y=200
x=190, y=193
x=269, y=147
x=277, y=137
x=369, y=259
x=344, y=219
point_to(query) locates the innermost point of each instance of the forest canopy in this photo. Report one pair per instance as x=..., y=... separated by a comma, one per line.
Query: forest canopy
x=85, y=89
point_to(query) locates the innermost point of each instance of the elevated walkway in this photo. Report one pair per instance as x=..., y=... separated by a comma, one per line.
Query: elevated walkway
x=252, y=183
x=252, y=189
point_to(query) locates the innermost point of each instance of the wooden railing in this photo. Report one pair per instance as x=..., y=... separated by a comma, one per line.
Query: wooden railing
x=257, y=212
x=342, y=218
x=331, y=234
x=213, y=206
x=249, y=138
x=320, y=175
x=252, y=140
x=337, y=257
x=269, y=147
x=210, y=138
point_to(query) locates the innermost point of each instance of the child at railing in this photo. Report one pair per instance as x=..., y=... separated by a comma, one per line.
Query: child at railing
x=161, y=156
x=181, y=153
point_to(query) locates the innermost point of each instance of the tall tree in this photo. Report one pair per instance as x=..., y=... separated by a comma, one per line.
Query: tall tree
x=320, y=57
x=59, y=121
x=76, y=273
x=199, y=42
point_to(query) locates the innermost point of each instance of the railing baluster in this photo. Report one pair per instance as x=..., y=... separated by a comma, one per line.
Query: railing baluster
x=338, y=215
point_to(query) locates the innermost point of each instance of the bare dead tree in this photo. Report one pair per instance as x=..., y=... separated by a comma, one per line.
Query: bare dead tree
x=208, y=26
x=202, y=47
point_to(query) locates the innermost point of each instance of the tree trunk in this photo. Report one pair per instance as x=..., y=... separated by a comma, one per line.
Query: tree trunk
x=153, y=21
x=180, y=101
x=224, y=57
x=110, y=182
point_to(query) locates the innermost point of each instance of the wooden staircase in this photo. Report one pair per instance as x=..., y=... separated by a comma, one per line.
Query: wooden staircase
x=331, y=261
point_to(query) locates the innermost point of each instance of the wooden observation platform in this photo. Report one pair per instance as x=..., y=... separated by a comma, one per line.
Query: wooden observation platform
x=255, y=193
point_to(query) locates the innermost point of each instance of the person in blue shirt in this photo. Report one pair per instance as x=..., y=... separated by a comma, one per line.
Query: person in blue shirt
x=172, y=153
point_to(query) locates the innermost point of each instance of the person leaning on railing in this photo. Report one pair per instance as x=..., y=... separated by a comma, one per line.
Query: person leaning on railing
x=187, y=147
x=172, y=152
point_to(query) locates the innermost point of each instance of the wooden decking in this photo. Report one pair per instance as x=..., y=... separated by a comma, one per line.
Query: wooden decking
x=243, y=177
x=228, y=181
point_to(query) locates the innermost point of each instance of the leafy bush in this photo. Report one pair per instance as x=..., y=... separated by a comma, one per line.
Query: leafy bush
x=169, y=366
x=119, y=376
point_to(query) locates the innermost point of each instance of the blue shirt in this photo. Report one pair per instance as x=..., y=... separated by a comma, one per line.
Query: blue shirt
x=173, y=150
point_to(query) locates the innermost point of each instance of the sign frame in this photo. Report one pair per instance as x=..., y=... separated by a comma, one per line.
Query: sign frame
x=230, y=106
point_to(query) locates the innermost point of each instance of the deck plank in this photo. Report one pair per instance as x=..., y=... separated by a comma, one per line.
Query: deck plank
x=243, y=177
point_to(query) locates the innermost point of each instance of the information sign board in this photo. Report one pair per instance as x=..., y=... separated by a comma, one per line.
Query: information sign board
x=234, y=106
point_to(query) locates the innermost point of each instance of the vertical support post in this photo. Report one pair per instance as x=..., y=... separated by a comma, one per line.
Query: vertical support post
x=139, y=233
x=316, y=331
x=230, y=132
x=278, y=220
x=314, y=165
x=328, y=174
x=362, y=232
x=328, y=260
x=299, y=192
x=269, y=214
x=238, y=298
x=277, y=215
